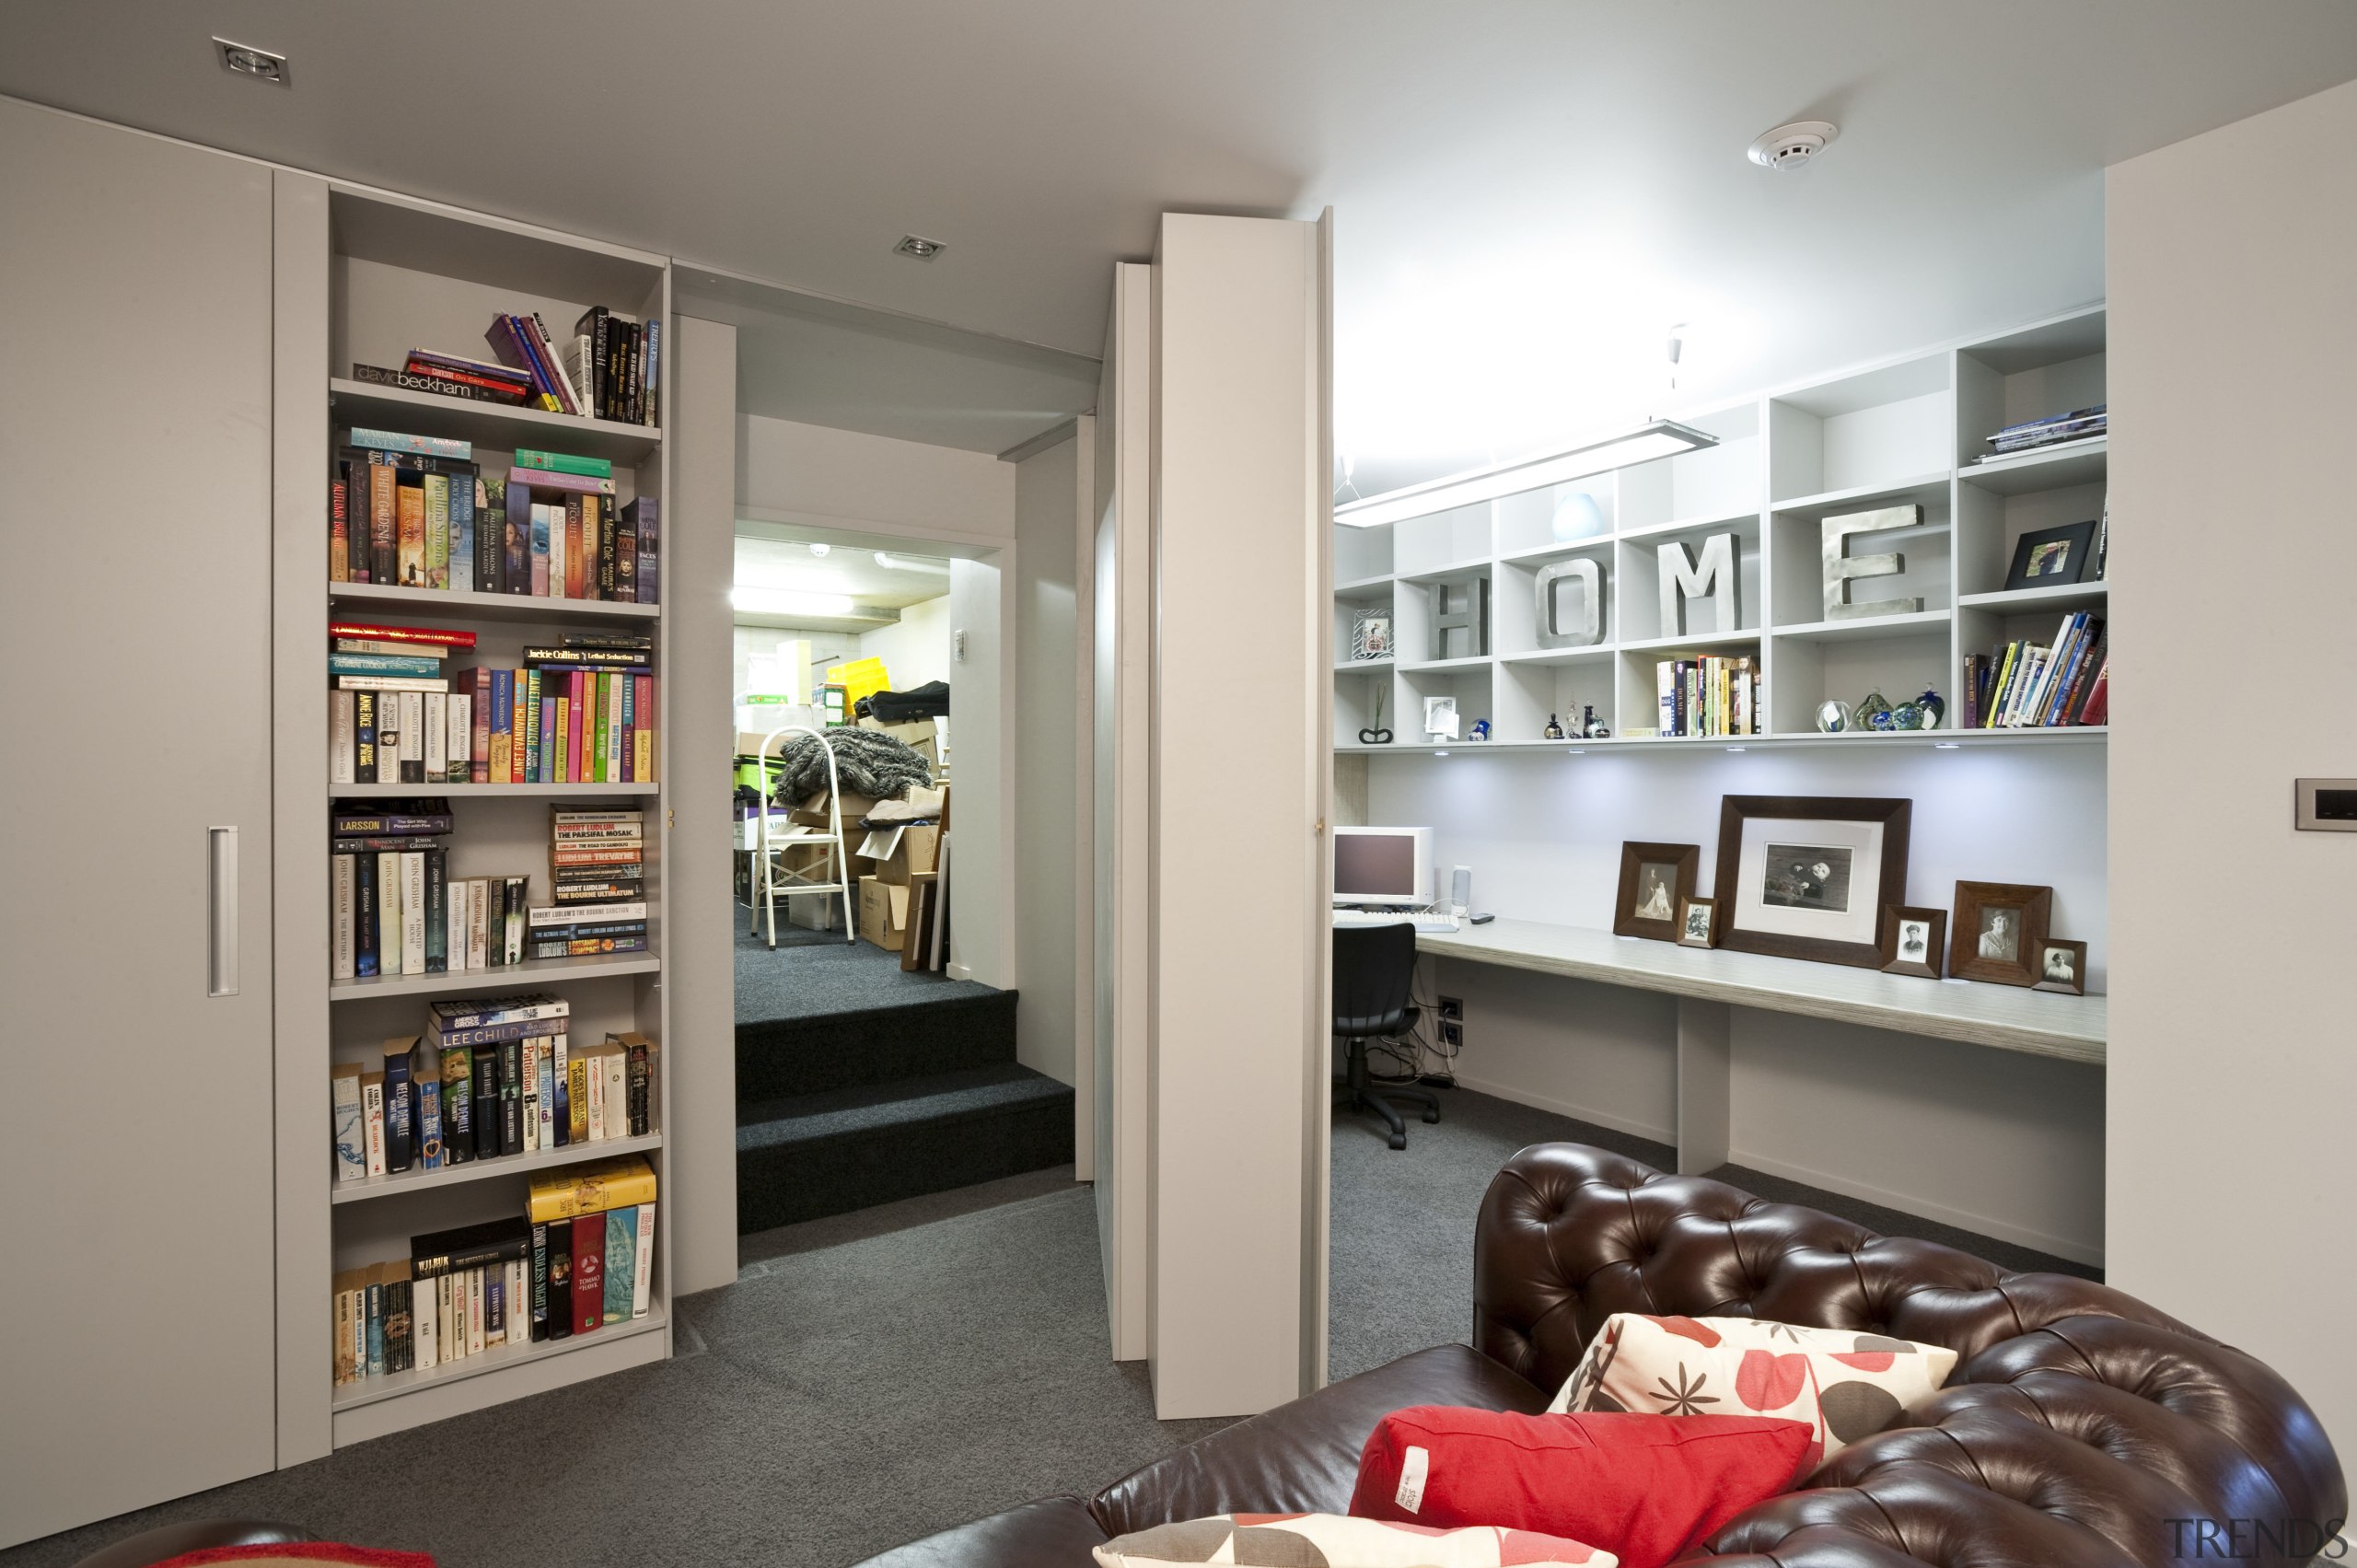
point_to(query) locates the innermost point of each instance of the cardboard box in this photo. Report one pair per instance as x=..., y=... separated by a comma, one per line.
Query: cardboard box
x=812, y=813
x=894, y=854
x=882, y=913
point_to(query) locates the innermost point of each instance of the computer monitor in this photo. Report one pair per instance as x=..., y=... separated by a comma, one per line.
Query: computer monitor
x=1392, y=867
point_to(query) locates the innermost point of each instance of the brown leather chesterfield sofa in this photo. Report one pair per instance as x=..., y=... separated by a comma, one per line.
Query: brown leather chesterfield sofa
x=2081, y=1427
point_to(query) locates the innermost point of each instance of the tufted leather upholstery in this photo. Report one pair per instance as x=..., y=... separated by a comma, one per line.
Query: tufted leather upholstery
x=2081, y=1427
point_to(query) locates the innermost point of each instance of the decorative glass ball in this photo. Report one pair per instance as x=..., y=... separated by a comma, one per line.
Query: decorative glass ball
x=1578, y=517
x=1930, y=708
x=1873, y=712
x=1833, y=715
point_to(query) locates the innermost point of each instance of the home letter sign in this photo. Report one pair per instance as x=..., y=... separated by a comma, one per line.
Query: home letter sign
x=1590, y=625
x=1843, y=568
x=1714, y=578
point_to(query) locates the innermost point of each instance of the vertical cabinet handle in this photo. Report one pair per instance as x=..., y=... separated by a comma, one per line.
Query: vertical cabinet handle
x=221, y=911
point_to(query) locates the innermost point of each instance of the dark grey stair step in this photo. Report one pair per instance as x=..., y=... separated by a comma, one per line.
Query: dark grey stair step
x=807, y=1156
x=885, y=1044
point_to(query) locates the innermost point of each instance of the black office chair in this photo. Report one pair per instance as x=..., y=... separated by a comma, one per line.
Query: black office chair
x=1374, y=969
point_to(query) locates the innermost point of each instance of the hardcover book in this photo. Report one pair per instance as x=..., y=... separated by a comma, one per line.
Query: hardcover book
x=589, y=1272
x=621, y=1262
x=560, y=1280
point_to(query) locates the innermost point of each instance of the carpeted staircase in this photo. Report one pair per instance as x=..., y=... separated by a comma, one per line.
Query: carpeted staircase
x=841, y=1110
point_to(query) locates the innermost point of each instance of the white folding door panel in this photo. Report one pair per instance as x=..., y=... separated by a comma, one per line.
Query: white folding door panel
x=136, y=1331
x=1122, y=651
x=1239, y=1012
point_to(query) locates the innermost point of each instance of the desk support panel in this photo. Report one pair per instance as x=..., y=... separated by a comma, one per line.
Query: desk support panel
x=1705, y=1085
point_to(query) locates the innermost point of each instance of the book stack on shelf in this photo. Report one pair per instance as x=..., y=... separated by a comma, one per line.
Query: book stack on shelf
x=417, y=512
x=596, y=886
x=609, y=368
x=1707, y=696
x=581, y=710
x=393, y=717
x=2030, y=435
x=2027, y=685
x=402, y=509
x=488, y=1080
x=579, y=1259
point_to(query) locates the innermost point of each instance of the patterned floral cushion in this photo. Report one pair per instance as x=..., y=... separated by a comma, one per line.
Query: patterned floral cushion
x=1333, y=1541
x=1846, y=1385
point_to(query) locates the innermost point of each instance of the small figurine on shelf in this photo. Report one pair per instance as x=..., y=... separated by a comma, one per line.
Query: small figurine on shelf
x=1554, y=729
x=1930, y=708
x=1481, y=730
x=1874, y=712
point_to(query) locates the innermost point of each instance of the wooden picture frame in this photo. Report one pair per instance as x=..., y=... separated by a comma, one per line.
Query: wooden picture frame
x=1839, y=860
x=1914, y=940
x=2069, y=977
x=2049, y=557
x=1653, y=877
x=1697, y=923
x=1998, y=928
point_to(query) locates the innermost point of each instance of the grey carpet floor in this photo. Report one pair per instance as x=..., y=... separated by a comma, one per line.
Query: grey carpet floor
x=816, y=972
x=874, y=1376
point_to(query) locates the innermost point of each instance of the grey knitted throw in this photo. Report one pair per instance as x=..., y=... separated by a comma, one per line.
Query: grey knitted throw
x=867, y=762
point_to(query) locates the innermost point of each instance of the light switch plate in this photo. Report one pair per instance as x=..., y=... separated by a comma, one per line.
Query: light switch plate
x=2325, y=805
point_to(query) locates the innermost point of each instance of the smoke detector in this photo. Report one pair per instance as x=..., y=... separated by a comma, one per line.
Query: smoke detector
x=1789, y=146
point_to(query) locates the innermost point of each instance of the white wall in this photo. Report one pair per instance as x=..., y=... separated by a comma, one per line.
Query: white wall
x=1240, y=936
x=2232, y=1066
x=916, y=649
x=1047, y=803
x=847, y=479
x=982, y=941
x=700, y=565
x=750, y=641
x=2007, y=1144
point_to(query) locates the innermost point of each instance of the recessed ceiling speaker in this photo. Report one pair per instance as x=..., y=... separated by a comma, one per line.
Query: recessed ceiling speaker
x=1789, y=146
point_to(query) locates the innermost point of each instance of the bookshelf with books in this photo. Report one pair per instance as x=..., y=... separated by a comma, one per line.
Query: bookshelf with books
x=1974, y=448
x=520, y=668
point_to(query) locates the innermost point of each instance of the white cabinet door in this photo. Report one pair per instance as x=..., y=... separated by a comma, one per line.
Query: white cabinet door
x=136, y=1326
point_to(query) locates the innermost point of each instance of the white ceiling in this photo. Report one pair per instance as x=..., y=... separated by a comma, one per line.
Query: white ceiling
x=773, y=556
x=1526, y=193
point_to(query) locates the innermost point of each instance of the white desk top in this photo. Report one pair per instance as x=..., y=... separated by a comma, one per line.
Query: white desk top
x=2043, y=1023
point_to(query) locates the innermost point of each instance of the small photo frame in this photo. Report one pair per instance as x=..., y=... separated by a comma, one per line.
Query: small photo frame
x=1914, y=941
x=2044, y=558
x=1371, y=634
x=1656, y=881
x=2061, y=966
x=1440, y=718
x=1695, y=919
x=1999, y=932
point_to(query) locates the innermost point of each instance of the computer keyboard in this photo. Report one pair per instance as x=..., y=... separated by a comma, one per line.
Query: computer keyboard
x=1422, y=922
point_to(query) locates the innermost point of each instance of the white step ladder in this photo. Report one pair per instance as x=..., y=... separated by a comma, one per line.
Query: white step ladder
x=771, y=879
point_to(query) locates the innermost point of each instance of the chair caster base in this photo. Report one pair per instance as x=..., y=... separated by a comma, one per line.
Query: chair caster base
x=1432, y=1115
x=1398, y=1140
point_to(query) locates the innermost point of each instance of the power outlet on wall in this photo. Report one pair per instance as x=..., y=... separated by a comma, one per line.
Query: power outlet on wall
x=1452, y=1033
x=1452, y=1007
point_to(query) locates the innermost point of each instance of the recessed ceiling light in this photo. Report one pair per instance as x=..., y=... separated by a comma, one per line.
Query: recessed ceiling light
x=1789, y=146
x=916, y=245
x=245, y=60
x=820, y=550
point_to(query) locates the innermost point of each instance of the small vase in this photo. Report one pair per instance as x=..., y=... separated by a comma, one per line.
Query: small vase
x=1929, y=709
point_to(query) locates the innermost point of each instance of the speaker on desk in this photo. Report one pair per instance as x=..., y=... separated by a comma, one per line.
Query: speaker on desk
x=1460, y=891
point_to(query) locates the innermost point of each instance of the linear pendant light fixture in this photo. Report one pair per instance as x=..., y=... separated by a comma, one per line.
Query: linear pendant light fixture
x=1658, y=438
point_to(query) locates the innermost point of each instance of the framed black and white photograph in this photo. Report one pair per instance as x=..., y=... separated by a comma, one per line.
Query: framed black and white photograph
x=2045, y=558
x=2061, y=966
x=1914, y=941
x=1371, y=634
x=1807, y=876
x=1656, y=880
x=1695, y=919
x=1998, y=934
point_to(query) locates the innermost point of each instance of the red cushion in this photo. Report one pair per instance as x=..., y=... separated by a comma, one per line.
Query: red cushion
x=1642, y=1486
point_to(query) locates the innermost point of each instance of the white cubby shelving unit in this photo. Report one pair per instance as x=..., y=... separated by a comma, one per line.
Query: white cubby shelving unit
x=399, y=274
x=1905, y=432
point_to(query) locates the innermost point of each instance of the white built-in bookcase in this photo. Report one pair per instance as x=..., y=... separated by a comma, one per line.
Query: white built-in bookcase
x=367, y=280
x=1899, y=433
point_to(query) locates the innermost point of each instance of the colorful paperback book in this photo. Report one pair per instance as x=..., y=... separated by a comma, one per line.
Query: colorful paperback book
x=462, y=533
x=548, y=479
x=621, y=1261
x=560, y=462
x=394, y=441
